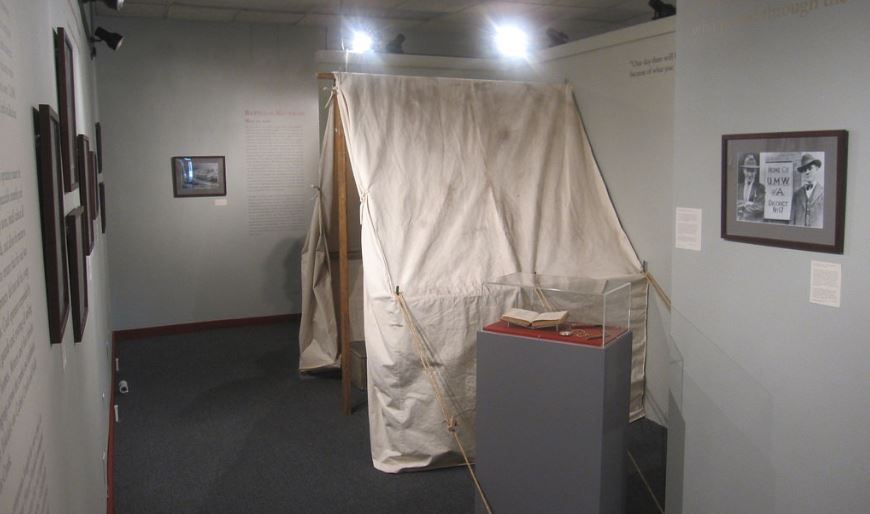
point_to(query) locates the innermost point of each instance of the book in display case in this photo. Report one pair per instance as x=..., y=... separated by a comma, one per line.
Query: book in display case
x=577, y=310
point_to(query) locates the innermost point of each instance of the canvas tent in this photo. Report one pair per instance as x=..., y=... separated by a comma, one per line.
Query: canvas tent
x=460, y=181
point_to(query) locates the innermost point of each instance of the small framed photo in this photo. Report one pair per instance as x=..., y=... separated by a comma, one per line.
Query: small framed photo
x=103, y=207
x=98, y=133
x=785, y=189
x=75, y=223
x=50, y=179
x=83, y=165
x=199, y=176
x=66, y=100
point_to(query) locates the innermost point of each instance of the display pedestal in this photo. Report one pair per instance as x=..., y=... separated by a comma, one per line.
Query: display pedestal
x=551, y=421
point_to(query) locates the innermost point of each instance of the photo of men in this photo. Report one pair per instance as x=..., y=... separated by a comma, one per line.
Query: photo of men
x=808, y=202
x=750, y=192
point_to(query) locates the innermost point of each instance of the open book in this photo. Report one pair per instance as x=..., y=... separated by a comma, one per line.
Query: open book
x=534, y=319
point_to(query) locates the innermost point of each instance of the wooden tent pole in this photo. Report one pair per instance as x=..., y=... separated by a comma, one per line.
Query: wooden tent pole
x=339, y=170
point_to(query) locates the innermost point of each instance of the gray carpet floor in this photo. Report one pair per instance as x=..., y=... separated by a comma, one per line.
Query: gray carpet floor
x=219, y=421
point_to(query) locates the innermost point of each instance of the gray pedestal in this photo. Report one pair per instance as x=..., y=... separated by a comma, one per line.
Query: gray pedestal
x=551, y=420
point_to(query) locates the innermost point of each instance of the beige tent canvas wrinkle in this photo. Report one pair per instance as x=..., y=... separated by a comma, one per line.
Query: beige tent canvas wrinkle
x=460, y=181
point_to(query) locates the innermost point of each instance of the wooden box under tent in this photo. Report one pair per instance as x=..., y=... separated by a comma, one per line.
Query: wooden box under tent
x=510, y=159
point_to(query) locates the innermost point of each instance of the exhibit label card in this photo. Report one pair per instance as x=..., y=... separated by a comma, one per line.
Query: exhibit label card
x=825, y=281
x=688, y=230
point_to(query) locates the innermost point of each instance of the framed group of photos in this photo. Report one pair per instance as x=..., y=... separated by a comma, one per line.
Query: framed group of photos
x=785, y=189
x=65, y=161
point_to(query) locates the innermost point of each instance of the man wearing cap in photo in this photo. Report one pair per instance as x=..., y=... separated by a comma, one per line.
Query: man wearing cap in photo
x=807, y=206
x=750, y=193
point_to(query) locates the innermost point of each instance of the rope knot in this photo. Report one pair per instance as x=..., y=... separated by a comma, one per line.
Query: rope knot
x=452, y=424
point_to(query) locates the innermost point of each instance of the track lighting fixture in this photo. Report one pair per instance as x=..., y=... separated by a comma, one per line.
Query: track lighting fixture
x=112, y=39
x=111, y=4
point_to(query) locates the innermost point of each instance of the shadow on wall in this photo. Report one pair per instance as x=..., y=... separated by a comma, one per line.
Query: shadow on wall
x=286, y=259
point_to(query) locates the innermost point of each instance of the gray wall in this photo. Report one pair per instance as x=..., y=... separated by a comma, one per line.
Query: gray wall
x=774, y=389
x=186, y=88
x=53, y=398
x=624, y=85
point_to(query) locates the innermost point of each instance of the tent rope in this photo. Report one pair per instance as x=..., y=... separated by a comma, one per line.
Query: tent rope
x=658, y=289
x=449, y=416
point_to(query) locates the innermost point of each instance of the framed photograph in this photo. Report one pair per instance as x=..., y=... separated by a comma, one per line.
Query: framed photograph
x=199, y=176
x=98, y=133
x=103, y=207
x=92, y=185
x=785, y=189
x=85, y=192
x=66, y=100
x=75, y=241
x=50, y=180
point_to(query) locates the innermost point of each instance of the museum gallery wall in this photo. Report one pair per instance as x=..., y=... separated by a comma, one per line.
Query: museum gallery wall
x=54, y=383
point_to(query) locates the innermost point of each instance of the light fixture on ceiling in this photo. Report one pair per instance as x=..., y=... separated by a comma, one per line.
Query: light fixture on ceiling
x=557, y=37
x=111, y=4
x=112, y=39
x=511, y=41
x=361, y=42
x=395, y=45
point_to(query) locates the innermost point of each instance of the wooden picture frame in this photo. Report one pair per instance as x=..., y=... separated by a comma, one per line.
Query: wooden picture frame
x=83, y=167
x=66, y=101
x=50, y=181
x=98, y=134
x=103, y=207
x=93, y=180
x=199, y=176
x=75, y=238
x=785, y=189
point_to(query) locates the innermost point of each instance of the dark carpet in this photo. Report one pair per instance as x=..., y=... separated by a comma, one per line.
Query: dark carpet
x=219, y=421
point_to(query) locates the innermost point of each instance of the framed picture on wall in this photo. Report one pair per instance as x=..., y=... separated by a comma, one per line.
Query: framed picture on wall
x=50, y=181
x=98, y=133
x=103, y=207
x=66, y=101
x=785, y=189
x=199, y=176
x=75, y=223
x=92, y=185
x=83, y=167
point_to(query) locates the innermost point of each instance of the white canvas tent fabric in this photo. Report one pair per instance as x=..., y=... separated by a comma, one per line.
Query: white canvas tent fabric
x=318, y=330
x=462, y=181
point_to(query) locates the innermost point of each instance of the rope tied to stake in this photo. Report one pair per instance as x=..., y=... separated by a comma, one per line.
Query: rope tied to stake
x=449, y=416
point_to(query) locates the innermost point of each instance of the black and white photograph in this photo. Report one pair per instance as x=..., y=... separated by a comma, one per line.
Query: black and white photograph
x=785, y=189
x=199, y=176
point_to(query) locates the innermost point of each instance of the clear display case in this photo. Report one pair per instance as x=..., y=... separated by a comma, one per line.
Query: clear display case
x=571, y=309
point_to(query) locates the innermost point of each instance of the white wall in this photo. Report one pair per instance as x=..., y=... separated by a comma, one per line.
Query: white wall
x=774, y=389
x=624, y=85
x=187, y=88
x=59, y=417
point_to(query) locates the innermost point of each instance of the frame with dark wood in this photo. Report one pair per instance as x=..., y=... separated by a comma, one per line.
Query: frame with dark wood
x=66, y=100
x=103, y=207
x=199, y=176
x=785, y=189
x=340, y=170
x=50, y=179
x=98, y=133
x=92, y=185
x=75, y=223
x=83, y=166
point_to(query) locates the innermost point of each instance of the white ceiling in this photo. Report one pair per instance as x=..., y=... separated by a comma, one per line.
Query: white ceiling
x=471, y=19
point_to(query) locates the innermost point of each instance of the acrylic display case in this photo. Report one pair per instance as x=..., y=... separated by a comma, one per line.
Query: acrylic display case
x=597, y=311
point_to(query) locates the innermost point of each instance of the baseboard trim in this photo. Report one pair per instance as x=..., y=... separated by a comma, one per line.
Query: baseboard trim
x=183, y=328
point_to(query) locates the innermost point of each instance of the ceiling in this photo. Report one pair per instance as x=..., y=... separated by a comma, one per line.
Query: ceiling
x=471, y=19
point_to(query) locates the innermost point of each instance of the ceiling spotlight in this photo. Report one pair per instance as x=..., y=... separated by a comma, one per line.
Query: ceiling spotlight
x=511, y=41
x=557, y=37
x=395, y=45
x=112, y=39
x=111, y=4
x=361, y=42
